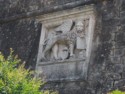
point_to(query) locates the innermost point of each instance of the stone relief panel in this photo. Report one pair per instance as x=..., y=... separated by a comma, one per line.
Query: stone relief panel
x=66, y=43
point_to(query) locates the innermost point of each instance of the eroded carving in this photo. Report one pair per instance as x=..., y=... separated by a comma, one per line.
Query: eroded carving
x=66, y=41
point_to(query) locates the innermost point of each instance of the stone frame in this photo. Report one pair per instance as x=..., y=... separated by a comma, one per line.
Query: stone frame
x=43, y=69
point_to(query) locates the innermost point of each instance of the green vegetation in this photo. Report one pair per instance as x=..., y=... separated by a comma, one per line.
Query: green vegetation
x=17, y=80
x=117, y=92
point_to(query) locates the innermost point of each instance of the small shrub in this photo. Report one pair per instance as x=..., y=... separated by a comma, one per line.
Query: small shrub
x=17, y=80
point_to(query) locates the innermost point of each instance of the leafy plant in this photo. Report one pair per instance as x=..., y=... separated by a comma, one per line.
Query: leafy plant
x=17, y=80
x=117, y=92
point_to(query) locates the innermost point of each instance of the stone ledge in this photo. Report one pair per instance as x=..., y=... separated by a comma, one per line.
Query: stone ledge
x=76, y=79
x=59, y=62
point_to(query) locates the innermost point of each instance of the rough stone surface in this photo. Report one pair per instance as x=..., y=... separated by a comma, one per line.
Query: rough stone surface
x=107, y=68
x=23, y=37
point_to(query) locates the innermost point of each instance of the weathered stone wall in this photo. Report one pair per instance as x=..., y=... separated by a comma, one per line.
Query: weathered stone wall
x=19, y=30
x=23, y=37
x=16, y=9
x=107, y=69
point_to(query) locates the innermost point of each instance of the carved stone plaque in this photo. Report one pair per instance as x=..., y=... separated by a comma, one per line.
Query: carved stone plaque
x=65, y=44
